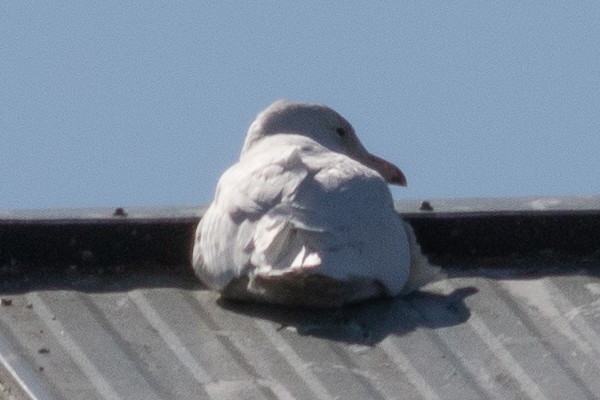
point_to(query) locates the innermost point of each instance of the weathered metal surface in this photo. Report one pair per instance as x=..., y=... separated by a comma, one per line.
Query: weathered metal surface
x=106, y=311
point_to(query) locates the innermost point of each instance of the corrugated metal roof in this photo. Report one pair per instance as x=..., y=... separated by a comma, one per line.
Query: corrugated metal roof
x=108, y=309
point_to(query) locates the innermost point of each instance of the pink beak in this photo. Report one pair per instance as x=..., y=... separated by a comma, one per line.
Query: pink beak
x=389, y=171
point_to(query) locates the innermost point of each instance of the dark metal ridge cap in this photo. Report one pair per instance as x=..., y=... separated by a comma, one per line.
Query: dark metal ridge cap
x=504, y=227
x=164, y=235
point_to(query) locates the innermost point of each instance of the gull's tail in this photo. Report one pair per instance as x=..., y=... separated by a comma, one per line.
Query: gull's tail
x=421, y=271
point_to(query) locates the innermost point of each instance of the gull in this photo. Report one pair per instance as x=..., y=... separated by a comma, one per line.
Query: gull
x=305, y=217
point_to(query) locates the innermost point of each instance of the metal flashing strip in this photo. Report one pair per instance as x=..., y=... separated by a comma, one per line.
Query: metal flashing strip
x=499, y=206
x=103, y=215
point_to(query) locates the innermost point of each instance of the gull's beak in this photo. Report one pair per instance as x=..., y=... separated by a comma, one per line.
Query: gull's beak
x=389, y=171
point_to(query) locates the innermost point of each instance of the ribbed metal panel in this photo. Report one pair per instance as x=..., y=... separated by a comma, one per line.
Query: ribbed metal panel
x=500, y=327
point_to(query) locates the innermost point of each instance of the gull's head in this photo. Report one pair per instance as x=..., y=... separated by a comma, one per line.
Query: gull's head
x=323, y=125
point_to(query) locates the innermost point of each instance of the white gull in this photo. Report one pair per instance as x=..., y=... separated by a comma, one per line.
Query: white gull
x=305, y=216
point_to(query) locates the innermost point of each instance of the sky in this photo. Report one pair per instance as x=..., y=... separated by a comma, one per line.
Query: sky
x=118, y=103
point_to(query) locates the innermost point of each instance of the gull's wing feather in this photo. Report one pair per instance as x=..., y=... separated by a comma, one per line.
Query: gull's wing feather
x=246, y=192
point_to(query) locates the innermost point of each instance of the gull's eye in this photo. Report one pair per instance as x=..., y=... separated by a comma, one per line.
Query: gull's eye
x=341, y=132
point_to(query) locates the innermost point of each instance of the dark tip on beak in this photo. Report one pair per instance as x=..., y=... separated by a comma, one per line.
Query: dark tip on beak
x=388, y=171
x=397, y=179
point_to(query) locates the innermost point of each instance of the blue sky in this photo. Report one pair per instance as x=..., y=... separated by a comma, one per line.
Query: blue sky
x=120, y=103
